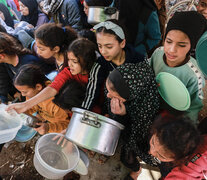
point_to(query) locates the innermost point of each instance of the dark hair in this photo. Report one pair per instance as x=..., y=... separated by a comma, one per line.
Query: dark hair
x=51, y=35
x=178, y=134
x=98, y=2
x=8, y=18
x=70, y=95
x=30, y=75
x=109, y=31
x=85, y=51
x=2, y=29
x=11, y=46
x=88, y=34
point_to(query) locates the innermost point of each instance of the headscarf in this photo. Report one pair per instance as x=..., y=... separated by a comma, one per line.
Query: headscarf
x=191, y=23
x=8, y=18
x=51, y=6
x=33, y=12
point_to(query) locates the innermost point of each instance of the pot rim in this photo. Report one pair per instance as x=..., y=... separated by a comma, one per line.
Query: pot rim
x=100, y=117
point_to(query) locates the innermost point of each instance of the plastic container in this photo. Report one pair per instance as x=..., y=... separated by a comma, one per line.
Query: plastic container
x=10, y=123
x=52, y=160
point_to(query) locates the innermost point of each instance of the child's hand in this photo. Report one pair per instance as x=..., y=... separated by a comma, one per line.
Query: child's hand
x=18, y=107
x=117, y=107
x=43, y=129
x=17, y=95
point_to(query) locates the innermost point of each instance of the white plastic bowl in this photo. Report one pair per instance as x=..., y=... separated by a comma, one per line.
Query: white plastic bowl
x=10, y=123
x=52, y=160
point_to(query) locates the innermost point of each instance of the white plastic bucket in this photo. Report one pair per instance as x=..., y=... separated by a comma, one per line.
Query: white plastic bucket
x=52, y=160
x=10, y=123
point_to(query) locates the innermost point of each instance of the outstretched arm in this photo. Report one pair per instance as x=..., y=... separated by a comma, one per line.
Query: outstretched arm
x=45, y=94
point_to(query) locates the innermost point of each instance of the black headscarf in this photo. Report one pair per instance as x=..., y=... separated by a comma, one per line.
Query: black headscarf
x=33, y=12
x=104, y=3
x=8, y=18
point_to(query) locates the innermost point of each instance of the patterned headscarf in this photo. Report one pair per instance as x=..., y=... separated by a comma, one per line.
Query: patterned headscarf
x=51, y=6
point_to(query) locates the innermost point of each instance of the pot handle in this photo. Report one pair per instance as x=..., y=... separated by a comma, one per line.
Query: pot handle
x=90, y=119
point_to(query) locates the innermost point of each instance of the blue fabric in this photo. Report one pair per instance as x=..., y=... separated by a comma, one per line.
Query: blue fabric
x=148, y=35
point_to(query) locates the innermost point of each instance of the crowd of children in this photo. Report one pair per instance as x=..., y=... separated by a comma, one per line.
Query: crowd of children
x=108, y=68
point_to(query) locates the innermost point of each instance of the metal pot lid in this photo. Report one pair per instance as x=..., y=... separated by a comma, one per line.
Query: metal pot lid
x=82, y=167
x=99, y=117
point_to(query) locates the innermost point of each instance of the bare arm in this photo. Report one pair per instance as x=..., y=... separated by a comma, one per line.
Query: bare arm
x=45, y=94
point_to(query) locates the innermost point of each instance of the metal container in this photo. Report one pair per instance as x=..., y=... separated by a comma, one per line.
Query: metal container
x=93, y=131
x=97, y=14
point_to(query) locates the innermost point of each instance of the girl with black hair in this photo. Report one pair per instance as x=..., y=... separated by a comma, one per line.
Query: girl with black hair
x=52, y=40
x=12, y=57
x=81, y=57
x=30, y=81
x=177, y=145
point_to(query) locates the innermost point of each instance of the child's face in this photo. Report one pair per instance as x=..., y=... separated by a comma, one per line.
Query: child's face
x=159, y=151
x=86, y=8
x=2, y=16
x=202, y=7
x=44, y=51
x=28, y=91
x=113, y=94
x=74, y=65
x=176, y=46
x=23, y=9
x=109, y=47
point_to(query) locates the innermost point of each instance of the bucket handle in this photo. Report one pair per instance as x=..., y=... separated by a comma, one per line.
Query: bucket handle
x=90, y=119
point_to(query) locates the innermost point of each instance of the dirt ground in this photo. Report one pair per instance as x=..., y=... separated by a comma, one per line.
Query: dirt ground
x=16, y=163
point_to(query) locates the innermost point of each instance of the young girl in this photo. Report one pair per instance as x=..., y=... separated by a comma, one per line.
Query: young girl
x=12, y=57
x=134, y=102
x=181, y=37
x=81, y=57
x=6, y=16
x=178, y=146
x=29, y=11
x=114, y=52
x=52, y=40
x=30, y=81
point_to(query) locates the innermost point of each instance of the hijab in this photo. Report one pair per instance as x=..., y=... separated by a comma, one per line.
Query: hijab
x=8, y=18
x=33, y=12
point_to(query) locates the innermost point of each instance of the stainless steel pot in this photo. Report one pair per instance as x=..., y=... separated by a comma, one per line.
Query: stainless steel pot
x=97, y=14
x=93, y=131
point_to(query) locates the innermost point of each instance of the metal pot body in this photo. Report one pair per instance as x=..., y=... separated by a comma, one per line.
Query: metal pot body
x=93, y=131
x=97, y=14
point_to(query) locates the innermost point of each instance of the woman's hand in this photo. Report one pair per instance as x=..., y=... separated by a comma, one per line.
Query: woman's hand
x=18, y=107
x=117, y=107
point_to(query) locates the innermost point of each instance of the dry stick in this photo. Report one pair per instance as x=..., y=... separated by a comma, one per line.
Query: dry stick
x=4, y=164
x=21, y=166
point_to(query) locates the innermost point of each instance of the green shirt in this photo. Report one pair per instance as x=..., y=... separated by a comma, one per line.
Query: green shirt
x=189, y=74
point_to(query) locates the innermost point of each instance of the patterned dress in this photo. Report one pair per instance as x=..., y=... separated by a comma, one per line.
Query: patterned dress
x=142, y=107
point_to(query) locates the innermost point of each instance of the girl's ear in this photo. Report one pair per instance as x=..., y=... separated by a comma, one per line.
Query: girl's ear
x=2, y=56
x=38, y=87
x=123, y=43
x=56, y=49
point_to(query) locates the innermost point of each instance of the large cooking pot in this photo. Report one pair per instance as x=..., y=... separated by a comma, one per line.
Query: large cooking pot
x=97, y=14
x=93, y=131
